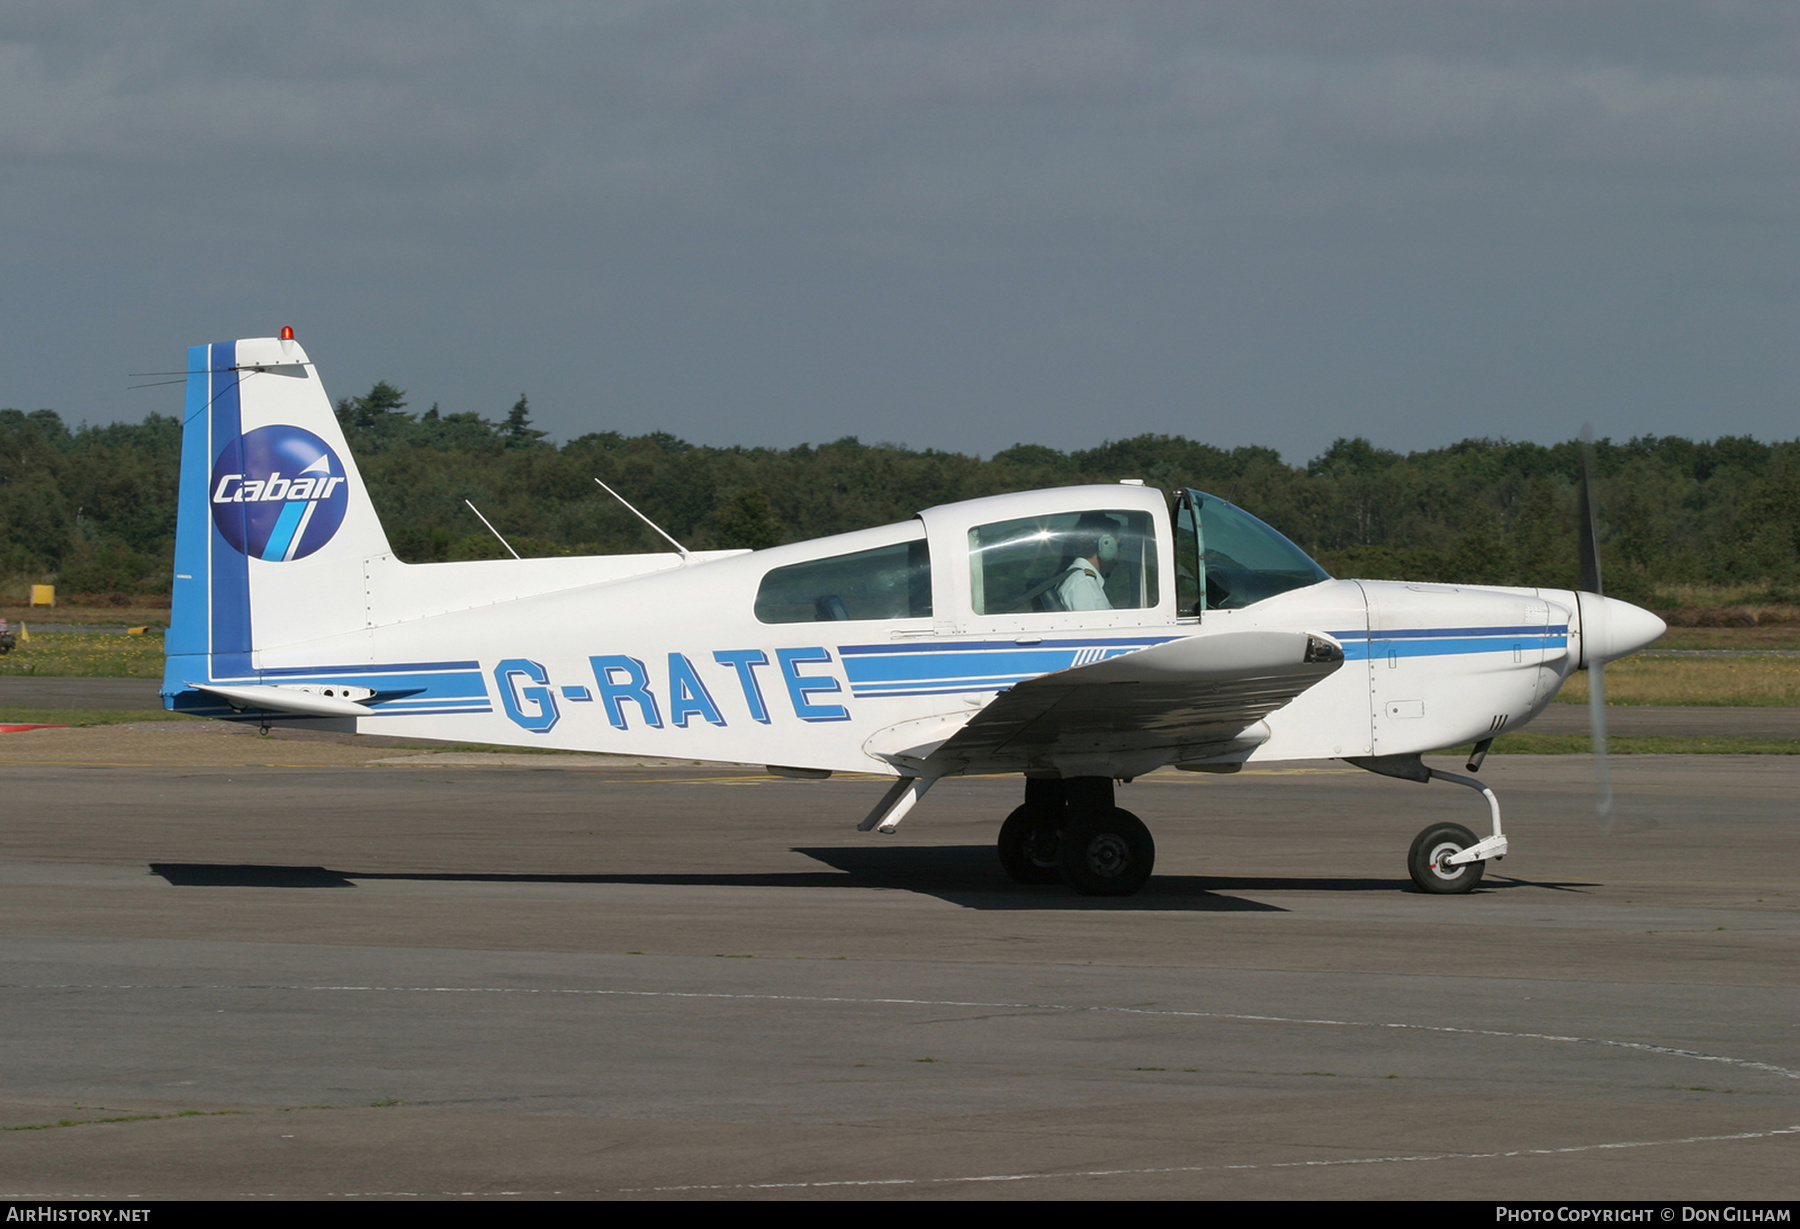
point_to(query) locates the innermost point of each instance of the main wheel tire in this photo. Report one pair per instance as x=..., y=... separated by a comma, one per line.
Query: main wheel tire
x=1427, y=862
x=1028, y=842
x=1107, y=853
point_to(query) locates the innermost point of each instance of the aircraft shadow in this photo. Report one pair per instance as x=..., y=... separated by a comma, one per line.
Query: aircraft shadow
x=964, y=875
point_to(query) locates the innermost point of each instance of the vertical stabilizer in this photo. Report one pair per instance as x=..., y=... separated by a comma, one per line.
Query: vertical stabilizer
x=274, y=526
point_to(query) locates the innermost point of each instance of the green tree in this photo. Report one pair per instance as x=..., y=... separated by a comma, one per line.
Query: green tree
x=377, y=421
x=747, y=521
x=517, y=431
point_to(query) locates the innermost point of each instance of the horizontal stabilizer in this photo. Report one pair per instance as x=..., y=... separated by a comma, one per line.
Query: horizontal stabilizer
x=284, y=700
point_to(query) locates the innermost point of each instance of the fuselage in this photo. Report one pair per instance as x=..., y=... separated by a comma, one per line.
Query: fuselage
x=830, y=654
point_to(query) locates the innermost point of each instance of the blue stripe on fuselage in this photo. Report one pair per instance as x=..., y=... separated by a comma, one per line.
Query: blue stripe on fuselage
x=974, y=665
x=292, y=672
x=931, y=667
x=1361, y=645
x=1427, y=633
x=978, y=646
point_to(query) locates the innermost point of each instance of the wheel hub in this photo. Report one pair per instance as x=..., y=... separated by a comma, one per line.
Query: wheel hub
x=1040, y=847
x=1440, y=862
x=1108, y=854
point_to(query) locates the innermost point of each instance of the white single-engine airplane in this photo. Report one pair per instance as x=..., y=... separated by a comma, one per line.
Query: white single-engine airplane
x=1079, y=636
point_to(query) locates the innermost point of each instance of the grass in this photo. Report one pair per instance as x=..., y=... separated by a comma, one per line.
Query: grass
x=1756, y=593
x=1527, y=743
x=130, y=616
x=87, y=655
x=1747, y=681
x=10, y=715
x=1777, y=637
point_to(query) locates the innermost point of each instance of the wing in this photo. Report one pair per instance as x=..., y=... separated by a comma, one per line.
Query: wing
x=1199, y=698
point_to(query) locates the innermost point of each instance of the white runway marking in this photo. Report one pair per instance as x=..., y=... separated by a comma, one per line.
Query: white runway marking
x=1194, y=1169
x=1169, y=1012
x=1049, y=1175
x=1046, y=1175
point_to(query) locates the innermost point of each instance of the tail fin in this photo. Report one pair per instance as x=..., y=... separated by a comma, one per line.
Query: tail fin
x=274, y=526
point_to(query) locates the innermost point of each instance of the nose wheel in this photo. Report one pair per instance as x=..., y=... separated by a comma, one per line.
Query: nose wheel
x=1430, y=864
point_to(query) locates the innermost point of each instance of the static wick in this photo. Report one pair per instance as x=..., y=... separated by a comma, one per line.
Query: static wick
x=659, y=529
x=492, y=530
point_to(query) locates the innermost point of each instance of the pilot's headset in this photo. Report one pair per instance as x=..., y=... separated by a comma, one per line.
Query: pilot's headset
x=1103, y=532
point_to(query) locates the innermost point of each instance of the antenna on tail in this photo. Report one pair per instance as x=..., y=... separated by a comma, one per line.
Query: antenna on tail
x=492, y=530
x=659, y=529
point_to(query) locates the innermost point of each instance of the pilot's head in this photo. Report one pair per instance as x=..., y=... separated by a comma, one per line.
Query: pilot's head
x=1097, y=540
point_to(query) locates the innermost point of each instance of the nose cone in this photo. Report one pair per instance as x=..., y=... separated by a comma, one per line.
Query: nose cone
x=1611, y=628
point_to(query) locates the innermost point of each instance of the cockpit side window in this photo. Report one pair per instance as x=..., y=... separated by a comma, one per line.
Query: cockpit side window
x=1227, y=559
x=1099, y=560
x=889, y=582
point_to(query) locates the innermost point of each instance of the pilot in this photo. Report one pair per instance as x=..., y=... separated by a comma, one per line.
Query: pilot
x=1083, y=583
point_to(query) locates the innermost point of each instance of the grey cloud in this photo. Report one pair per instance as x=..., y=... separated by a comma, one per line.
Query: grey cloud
x=958, y=224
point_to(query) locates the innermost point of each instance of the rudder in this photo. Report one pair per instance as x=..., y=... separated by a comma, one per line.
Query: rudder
x=273, y=526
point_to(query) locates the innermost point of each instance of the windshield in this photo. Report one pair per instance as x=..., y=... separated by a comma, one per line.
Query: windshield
x=1227, y=559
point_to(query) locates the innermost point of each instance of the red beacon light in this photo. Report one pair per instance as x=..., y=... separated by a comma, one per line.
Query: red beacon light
x=287, y=332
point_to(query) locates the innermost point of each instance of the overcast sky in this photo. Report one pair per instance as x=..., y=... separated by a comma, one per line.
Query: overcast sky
x=956, y=225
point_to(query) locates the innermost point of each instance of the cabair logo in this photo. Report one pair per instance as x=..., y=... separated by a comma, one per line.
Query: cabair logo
x=278, y=493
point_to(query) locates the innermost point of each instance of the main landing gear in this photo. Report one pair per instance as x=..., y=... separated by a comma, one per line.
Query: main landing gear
x=1069, y=830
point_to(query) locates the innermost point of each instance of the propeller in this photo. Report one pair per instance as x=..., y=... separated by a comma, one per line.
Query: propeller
x=1589, y=529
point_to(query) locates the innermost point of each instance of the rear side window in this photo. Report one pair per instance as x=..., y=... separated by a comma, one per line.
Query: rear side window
x=889, y=582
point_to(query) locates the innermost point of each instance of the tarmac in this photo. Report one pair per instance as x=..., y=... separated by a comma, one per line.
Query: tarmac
x=319, y=967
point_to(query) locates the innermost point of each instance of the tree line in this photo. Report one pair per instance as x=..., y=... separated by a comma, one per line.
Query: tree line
x=94, y=506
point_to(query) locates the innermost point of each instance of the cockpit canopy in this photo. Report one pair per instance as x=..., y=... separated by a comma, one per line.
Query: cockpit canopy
x=1091, y=556
x=1226, y=559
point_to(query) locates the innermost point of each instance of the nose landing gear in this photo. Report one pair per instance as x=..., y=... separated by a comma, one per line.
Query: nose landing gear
x=1430, y=865
x=1445, y=859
